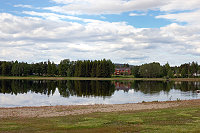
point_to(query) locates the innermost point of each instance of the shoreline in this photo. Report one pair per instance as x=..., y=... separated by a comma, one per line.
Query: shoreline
x=90, y=78
x=65, y=110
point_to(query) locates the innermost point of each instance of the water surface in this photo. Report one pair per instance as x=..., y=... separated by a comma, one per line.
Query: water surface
x=17, y=93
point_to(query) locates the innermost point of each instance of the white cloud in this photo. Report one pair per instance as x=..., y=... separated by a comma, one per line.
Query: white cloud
x=23, y=6
x=192, y=17
x=180, y=5
x=137, y=14
x=51, y=16
x=120, y=6
x=103, y=6
x=39, y=39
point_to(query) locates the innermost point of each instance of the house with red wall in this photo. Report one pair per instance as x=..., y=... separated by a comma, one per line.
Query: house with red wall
x=122, y=71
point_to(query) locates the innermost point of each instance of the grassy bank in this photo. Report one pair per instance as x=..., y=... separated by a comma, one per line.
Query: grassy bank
x=180, y=119
x=90, y=78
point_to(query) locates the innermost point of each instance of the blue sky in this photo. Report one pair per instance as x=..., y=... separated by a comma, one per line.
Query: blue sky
x=125, y=31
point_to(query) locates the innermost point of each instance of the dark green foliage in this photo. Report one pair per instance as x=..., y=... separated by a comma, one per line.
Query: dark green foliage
x=155, y=70
x=22, y=69
x=0, y=67
x=71, y=70
x=194, y=68
x=184, y=70
x=97, y=68
x=170, y=74
x=94, y=68
x=102, y=68
x=165, y=70
x=135, y=71
x=3, y=68
x=6, y=68
x=49, y=68
x=152, y=70
x=53, y=69
x=63, y=67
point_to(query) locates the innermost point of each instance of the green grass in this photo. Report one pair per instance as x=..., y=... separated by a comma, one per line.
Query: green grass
x=181, y=119
x=123, y=76
x=94, y=78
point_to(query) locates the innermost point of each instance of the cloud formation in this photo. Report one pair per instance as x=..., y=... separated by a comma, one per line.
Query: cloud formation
x=120, y=6
x=63, y=33
x=103, y=6
x=191, y=17
x=43, y=38
x=24, y=6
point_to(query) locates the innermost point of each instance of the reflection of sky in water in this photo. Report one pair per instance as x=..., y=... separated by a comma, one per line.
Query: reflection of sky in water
x=119, y=97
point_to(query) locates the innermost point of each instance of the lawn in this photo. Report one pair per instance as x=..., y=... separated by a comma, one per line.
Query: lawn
x=129, y=78
x=180, y=119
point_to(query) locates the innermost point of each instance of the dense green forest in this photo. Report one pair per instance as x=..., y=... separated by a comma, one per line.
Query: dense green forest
x=97, y=68
x=86, y=68
x=155, y=70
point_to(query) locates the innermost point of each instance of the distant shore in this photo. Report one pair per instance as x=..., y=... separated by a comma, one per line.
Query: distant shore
x=94, y=78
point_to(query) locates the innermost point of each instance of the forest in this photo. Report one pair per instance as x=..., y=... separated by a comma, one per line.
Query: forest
x=97, y=68
x=155, y=70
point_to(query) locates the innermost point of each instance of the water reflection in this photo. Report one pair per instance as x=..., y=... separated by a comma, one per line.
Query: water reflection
x=152, y=87
x=46, y=92
x=92, y=88
x=85, y=88
x=65, y=88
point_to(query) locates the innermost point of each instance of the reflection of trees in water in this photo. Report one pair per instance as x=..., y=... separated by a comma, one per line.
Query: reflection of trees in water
x=91, y=88
x=187, y=86
x=65, y=88
x=25, y=86
x=152, y=87
x=87, y=88
x=146, y=87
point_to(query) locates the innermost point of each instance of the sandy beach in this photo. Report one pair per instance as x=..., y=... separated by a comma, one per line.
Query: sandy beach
x=52, y=111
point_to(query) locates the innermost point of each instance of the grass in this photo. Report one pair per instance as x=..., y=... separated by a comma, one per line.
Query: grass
x=181, y=119
x=92, y=78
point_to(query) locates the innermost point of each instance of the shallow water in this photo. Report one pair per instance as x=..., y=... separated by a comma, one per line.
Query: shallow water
x=17, y=93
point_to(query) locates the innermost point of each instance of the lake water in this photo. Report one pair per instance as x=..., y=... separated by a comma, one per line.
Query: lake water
x=18, y=93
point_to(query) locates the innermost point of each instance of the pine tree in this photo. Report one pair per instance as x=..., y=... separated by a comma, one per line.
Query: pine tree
x=53, y=69
x=0, y=68
x=94, y=67
x=15, y=70
x=49, y=68
x=3, y=68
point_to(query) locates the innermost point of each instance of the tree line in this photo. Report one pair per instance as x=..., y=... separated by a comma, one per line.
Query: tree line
x=155, y=70
x=97, y=68
x=67, y=68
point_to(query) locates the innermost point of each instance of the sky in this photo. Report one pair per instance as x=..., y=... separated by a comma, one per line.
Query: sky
x=125, y=31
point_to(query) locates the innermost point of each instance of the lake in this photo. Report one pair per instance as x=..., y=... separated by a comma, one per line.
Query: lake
x=19, y=93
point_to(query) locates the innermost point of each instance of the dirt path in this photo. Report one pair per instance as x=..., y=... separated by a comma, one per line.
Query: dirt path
x=51, y=111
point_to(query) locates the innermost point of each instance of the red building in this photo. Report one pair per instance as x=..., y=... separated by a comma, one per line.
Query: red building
x=122, y=71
